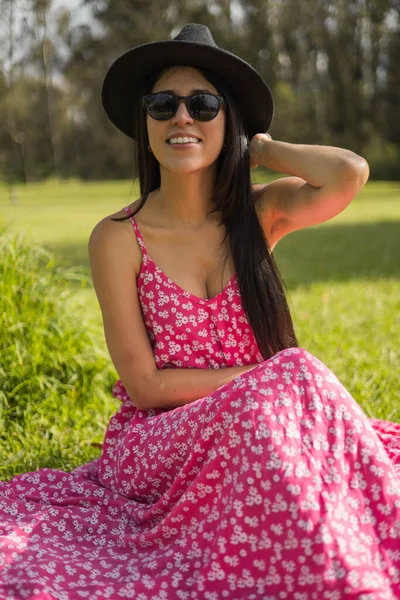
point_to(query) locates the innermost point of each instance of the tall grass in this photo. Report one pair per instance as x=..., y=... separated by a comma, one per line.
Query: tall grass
x=55, y=377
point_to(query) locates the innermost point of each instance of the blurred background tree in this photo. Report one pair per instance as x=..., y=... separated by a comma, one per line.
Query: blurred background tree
x=332, y=65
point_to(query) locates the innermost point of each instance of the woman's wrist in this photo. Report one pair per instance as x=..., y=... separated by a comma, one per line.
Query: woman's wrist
x=257, y=148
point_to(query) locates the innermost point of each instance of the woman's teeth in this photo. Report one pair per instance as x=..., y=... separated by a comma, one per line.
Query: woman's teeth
x=184, y=140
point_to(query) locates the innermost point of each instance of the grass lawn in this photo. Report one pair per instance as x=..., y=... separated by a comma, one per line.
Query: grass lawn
x=343, y=281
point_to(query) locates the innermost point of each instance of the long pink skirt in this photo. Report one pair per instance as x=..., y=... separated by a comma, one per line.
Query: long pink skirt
x=276, y=486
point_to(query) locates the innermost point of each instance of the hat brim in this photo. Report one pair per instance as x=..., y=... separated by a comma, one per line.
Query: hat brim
x=130, y=71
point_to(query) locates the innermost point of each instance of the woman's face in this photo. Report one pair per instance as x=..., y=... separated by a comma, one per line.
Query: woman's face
x=182, y=81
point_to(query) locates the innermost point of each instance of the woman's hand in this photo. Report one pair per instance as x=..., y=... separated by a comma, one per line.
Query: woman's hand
x=254, y=147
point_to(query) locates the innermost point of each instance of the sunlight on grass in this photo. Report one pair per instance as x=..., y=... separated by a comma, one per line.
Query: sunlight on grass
x=354, y=328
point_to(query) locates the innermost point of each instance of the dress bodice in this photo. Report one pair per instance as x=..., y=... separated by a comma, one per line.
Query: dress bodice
x=188, y=331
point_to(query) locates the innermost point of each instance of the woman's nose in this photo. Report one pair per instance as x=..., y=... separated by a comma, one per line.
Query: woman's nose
x=182, y=115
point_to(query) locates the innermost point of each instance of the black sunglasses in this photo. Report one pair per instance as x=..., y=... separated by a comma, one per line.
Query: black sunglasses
x=201, y=106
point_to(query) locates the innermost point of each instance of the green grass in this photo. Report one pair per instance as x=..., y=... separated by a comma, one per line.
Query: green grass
x=343, y=280
x=54, y=395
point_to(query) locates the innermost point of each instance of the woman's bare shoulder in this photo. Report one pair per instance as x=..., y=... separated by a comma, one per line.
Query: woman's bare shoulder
x=122, y=213
x=112, y=234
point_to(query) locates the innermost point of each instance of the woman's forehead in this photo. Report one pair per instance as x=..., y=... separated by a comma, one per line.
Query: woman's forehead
x=183, y=76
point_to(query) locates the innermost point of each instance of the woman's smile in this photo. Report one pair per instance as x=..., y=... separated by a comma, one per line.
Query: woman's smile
x=183, y=145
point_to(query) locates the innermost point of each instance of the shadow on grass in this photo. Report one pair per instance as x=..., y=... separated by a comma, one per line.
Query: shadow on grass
x=324, y=253
x=68, y=255
x=340, y=253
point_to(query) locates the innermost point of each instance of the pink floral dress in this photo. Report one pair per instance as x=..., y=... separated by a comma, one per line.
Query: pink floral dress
x=275, y=486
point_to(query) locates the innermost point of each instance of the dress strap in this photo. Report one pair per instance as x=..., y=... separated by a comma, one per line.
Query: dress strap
x=137, y=230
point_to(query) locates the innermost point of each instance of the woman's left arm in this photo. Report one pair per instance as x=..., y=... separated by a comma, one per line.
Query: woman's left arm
x=325, y=180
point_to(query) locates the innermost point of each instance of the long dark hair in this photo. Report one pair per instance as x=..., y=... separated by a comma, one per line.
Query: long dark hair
x=261, y=287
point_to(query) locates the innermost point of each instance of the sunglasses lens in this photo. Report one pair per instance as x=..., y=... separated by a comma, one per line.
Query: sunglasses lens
x=204, y=107
x=162, y=106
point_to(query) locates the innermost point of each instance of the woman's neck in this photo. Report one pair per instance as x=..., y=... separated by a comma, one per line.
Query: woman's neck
x=185, y=199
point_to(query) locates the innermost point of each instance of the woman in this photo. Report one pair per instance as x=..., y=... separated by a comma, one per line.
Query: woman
x=238, y=466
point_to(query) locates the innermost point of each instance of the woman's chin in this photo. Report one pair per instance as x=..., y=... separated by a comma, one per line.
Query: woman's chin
x=185, y=166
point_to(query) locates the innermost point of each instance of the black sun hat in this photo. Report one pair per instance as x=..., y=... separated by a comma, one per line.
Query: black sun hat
x=194, y=46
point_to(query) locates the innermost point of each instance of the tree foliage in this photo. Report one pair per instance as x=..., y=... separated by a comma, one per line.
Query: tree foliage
x=332, y=66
